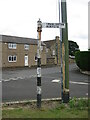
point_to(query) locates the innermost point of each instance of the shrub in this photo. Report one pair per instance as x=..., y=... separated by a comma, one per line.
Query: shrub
x=83, y=60
x=78, y=103
x=73, y=103
x=73, y=47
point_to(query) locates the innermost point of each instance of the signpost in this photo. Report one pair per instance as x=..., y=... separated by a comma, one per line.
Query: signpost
x=64, y=53
x=39, y=90
x=53, y=25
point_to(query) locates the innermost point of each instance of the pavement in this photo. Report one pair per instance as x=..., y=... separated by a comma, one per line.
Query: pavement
x=85, y=72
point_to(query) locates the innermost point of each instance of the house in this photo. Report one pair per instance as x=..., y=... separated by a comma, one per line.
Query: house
x=20, y=51
x=53, y=51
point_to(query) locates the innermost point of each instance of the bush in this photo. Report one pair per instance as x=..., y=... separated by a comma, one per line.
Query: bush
x=83, y=60
x=79, y=103
x=73, y=47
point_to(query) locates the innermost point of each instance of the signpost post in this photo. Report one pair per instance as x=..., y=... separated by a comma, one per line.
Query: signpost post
x=64, y=53
x=41, y=25
x=39, y=30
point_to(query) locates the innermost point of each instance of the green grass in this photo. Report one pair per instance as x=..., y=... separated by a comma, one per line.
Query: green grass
x=55, y=113
x=74, y=109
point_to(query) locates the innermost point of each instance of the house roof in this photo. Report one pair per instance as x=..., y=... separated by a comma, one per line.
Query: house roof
x=49, y=43
x=19, y=40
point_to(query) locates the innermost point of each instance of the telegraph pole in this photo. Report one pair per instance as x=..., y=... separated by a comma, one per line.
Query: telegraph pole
x=39, y=30
x=60, y=20
x=65, y=52
x=56, y=50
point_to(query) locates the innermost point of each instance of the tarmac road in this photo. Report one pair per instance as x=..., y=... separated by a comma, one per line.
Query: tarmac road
x=21, y=84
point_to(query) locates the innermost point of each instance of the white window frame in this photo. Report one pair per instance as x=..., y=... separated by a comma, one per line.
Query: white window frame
x=12, y=45
x=47, y=50
x=12, y=58
x=26, y=47
x=53, y=52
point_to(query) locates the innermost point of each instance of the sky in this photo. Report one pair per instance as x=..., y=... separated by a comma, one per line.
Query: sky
x=19, y=18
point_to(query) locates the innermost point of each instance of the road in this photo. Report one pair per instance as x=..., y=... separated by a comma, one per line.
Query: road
x=21, y=84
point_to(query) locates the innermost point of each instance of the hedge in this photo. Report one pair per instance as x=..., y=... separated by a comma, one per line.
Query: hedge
x=83, y=60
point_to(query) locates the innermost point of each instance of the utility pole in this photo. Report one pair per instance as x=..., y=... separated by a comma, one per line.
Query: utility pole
x=56, y=50
x=65, y=52
x=39, y=30
x=60, y=20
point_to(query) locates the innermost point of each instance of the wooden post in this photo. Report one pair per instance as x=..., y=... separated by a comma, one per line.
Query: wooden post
x=65, y=53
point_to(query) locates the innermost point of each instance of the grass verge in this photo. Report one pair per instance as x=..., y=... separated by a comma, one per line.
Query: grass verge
x=50, y=109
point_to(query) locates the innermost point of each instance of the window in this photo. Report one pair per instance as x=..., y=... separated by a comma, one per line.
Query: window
x=53, y=52
x=12, y=58
x=26, y=47
x=46, y=50
x=12, y=45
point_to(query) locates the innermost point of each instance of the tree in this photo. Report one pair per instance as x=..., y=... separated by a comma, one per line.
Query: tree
x=73, y=47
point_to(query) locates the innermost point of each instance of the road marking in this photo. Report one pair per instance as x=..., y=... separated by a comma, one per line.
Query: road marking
x=33, y=76
x=17, y=78
x=55, y=81
x=6, y=80
x=79, y=83
x=87, y=94
x=72, y=82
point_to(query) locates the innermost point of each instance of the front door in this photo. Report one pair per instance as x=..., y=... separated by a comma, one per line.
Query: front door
x=26, y=60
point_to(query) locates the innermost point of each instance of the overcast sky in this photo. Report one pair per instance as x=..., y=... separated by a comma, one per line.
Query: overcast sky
x=19, y=18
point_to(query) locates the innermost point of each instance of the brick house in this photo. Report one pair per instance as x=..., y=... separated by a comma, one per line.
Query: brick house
x=20, y=51
x=53, y=51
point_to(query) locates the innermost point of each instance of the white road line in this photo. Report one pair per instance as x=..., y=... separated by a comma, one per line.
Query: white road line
x=6, y=80
x=17, y=78
x=87, y=94
x=55, y=81
x=72, y=82
x=79, y=83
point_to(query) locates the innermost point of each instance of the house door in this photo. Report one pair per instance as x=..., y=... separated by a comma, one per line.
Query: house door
x=26, y=60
